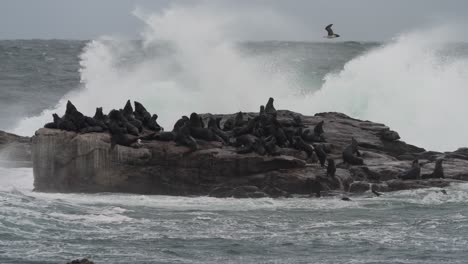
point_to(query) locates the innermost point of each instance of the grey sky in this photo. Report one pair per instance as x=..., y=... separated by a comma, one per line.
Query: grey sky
x=353, y=19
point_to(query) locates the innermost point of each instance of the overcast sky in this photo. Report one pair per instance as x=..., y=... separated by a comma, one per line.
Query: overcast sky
x=302, y=19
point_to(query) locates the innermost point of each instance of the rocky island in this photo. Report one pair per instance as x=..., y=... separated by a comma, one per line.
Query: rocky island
x=272, y=153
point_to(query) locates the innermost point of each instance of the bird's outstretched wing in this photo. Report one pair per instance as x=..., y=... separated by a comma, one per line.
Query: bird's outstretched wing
x=329, y=30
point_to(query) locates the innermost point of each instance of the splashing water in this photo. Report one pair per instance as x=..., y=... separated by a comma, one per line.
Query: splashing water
x=410, y=84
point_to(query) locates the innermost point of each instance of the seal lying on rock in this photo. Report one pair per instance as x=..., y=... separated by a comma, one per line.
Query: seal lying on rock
x=301, y=145
x=55, y=124
x=213, y=125
x=315, y=135
x=73, y=120
x=349, y=151
x=438, y=171
x=414, y=173
x=117, y=119
x=119, y=137
x=270, y=146
x=250, y=143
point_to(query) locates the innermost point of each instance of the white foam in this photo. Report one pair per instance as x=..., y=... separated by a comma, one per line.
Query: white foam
x=92, y=218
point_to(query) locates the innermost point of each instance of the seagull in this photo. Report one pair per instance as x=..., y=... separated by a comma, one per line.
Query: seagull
x=330, y=32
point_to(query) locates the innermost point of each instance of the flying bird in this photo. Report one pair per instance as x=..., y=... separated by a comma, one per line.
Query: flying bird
x=330, y=32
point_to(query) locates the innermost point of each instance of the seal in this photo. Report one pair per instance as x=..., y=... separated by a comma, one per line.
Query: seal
x=128, y=113
x=262, y=110
x=349, y=151
x=269, y=108
x=101, y=119
x=195, y=121
x=239, y=120
x=119, y=137
x=321, y=154
x=213, y=125
x=73, y=120
x=153, y=124
x=311, y=136
x=331, y=168
x=414, y=173
x=142, y=114
x=438, y=171
x=249, y=143
x=318, y=129
x=228, y=124
x=297, y=121
x=180, y=123
x=301, y=145
x=184, y=138
x=128, y=109
x=270, y=146
x=55, y=123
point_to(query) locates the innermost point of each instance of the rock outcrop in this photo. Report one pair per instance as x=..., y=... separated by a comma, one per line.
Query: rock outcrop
x=15, y=150
x=244, y=155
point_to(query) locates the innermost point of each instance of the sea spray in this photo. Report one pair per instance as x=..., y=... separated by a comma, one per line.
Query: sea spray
x=201, y=71
x=410, y=84
x=414, y=83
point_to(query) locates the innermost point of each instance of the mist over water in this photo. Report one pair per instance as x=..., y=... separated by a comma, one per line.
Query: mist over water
x=190, y=61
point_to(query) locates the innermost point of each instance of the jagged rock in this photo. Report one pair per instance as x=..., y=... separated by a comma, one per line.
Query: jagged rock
x=359, y=187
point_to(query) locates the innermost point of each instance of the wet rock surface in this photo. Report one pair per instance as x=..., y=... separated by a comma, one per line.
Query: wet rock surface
x=273, y=153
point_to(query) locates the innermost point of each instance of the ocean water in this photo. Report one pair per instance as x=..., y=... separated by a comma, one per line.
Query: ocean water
x=418, y=226
x=415, y=83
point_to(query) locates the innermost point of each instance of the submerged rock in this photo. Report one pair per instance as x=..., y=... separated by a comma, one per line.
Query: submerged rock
x=81, y=261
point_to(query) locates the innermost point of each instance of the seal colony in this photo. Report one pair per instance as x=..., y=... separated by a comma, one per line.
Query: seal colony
x=262, y=134
x=269, y=153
